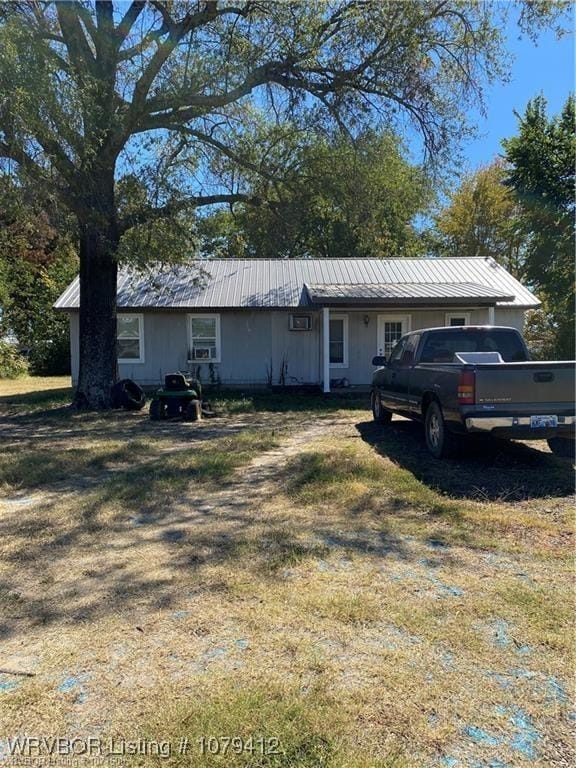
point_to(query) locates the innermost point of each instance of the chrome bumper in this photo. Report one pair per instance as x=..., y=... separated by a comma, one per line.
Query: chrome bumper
x=488, y=423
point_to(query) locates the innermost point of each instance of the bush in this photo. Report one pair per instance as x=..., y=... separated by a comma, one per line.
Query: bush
x=50, y=358
x=12, y=364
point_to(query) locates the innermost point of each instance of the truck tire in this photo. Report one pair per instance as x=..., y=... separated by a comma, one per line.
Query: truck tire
x=157, y=410
x=439, y=440
x=379, y=413
x=562, y=446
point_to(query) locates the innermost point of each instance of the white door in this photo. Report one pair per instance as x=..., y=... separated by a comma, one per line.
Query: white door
x=390, y=329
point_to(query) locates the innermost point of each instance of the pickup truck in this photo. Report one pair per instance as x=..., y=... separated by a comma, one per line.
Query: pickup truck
x=475, y=381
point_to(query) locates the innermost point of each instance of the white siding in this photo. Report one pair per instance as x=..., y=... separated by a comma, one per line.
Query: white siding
x=255, y=340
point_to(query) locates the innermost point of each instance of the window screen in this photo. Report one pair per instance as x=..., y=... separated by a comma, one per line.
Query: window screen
x=204, y=338
x=129, y=338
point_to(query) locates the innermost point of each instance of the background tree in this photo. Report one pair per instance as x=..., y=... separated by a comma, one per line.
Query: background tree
x=337, y=198
x=37, y=261
x=89, y=92
x=483, y=219
x=542, y=162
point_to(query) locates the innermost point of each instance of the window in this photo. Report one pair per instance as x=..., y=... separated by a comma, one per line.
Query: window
x=339, y=341
x=441, y=346
x=204, y=338
x=410, y=350
x=130, y=338
x=454, y=319
x=300, y=322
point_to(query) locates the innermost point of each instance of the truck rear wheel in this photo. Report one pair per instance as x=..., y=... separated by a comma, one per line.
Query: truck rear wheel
x=379, y=413
x=562, y=446
x=439, y=440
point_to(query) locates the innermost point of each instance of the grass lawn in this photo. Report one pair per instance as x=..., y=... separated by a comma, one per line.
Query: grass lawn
x=287, y=585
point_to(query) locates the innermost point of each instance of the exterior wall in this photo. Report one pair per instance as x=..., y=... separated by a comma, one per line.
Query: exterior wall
x=254, y=346
x=255, y=343
x=514, y=318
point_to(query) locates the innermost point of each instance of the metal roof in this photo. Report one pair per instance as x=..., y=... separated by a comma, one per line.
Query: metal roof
x=408, y=293
x=280, y=283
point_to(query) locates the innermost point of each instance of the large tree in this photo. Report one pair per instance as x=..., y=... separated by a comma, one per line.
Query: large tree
x=91, y=91
x=541, y=173
x=483, y=219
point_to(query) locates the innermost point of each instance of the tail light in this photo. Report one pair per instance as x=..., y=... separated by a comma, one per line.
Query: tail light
x=467, y=388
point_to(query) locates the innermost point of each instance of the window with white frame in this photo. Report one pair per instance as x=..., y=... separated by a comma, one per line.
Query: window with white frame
x=130, y=338
x=204, y=338
x=454, y=319
x=339, y=341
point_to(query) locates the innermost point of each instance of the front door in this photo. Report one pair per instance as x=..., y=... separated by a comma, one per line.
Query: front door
x=391, y=328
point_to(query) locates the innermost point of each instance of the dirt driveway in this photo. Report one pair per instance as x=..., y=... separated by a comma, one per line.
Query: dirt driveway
x=304, y=577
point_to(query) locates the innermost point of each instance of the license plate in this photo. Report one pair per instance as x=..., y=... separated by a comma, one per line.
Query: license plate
x=538, y=422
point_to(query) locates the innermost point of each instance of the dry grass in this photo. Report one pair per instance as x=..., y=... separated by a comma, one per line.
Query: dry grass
x=279, y=578
x=32, y=384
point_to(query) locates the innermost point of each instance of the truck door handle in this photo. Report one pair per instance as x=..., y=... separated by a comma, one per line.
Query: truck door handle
x=544, y=376
x=393, y=374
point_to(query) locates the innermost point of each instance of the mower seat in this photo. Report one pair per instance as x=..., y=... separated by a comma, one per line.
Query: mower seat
x=176, y=382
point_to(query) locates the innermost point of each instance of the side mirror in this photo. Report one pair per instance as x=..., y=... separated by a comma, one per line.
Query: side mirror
x=379, y=360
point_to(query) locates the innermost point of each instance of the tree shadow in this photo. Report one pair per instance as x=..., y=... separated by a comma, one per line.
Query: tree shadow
x=487, y=470
x=148, y=536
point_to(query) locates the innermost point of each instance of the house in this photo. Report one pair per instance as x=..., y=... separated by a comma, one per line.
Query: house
x=255, y=322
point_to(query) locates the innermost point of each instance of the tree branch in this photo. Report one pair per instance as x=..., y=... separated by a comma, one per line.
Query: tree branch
x=79, y=51
x=175, y=31
x=204, y=138
x=127, y=22
x=15, y=152
x=161, y=114
x=147, y=215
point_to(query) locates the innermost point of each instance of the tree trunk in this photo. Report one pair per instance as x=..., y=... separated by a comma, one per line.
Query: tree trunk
x=98, y=274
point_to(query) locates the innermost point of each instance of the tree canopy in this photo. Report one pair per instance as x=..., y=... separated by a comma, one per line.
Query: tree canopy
x=520, y=210
x=337, y=198
x=191, y=97
x=38, y=259
x=541, y=173
x=482, y=219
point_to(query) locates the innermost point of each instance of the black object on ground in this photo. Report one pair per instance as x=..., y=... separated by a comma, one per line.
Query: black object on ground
x=128, y=395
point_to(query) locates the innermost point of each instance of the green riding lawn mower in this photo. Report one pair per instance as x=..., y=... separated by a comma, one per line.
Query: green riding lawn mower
x=180, y=397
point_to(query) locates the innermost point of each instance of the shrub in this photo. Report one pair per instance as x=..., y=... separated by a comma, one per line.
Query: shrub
x=12, y=364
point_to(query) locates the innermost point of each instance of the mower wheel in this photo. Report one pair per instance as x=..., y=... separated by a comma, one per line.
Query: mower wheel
x=193, y=411
x=157, y=410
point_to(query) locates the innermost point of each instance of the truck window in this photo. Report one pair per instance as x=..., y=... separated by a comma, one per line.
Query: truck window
x=397, y=352
x=441, y=346
x=410, y=351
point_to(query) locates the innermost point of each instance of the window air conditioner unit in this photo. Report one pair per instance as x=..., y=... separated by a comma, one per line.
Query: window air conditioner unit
x=300, y=323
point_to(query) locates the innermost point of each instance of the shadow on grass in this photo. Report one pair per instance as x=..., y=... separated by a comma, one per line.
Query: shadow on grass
x=488, y=470
x=145, y=534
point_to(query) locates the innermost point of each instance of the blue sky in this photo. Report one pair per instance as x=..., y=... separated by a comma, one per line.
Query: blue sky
x=546, y=66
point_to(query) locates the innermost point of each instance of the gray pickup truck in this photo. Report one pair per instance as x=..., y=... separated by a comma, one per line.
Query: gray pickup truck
x=475, y=380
